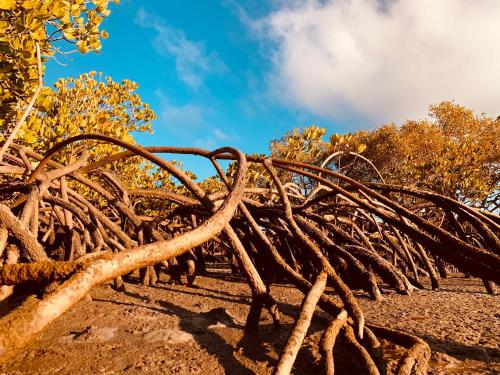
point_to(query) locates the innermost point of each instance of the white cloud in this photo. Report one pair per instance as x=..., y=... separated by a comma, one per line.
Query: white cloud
x=188, y=114
x=220, y=135
x=192, y=61
x=183, y=119
x=208, y=143
x=386, y=61
x=216, y=138
x=189, y=121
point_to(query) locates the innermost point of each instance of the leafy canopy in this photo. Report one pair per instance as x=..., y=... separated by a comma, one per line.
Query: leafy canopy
x=87, y=104
x=454, y=152
x=53, y=25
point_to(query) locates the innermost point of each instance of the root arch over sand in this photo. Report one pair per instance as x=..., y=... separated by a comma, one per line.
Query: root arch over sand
x=342, y=235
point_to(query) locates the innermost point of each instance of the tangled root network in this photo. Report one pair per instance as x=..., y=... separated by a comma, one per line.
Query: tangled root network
x=339, y=235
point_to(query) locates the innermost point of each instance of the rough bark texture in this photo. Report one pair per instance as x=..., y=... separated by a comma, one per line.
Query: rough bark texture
x=291, y=349
x=58, y=236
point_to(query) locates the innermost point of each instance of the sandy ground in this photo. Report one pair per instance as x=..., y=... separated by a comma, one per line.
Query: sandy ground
x=178, y=330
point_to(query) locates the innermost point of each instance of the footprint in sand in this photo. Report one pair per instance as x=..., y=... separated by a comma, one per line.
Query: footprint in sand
x=92, y=334
x=172, y=336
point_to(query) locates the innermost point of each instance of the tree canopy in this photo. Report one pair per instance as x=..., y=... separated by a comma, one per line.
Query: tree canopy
x=454, y=152
x=52, y=25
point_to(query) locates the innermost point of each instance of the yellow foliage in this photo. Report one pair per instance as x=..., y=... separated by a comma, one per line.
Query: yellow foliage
x=88, y=104
x=25, y=23
x=453, y=152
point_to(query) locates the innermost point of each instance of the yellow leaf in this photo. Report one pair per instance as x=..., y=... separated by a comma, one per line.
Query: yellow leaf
x=70, y=33
x=39, y=34
x=30, y=138
x=82, y=46
x=35, y=125
x=28, y=4
x=102, y=118
x=100, y=3
x=46, y=104
x=128, y=138
x=4, y=25
x=59, y=13
x=95, y=43
x=75, y=10
x=7, y=4
x=361, y=147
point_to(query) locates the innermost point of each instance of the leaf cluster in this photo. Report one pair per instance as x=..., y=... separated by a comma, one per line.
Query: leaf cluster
x=53, y=25
x=453, y=152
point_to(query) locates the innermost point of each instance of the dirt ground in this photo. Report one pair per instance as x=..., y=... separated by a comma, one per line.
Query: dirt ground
x=174, y=329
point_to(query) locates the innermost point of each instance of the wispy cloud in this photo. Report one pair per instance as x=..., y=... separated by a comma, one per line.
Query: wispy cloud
x=193, y=63
x=183, y=119
x=190, y=122
x=215, y=139
x=220, y=135
x=240, y=12
x=384, y=60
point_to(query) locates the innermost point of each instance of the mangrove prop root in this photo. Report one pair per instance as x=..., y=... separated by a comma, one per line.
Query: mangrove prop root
x=328, y=341
x=291, y=349
x=65, y=231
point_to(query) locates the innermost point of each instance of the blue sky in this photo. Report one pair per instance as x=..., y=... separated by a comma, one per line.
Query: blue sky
x=201, y=70
x=241, y=73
